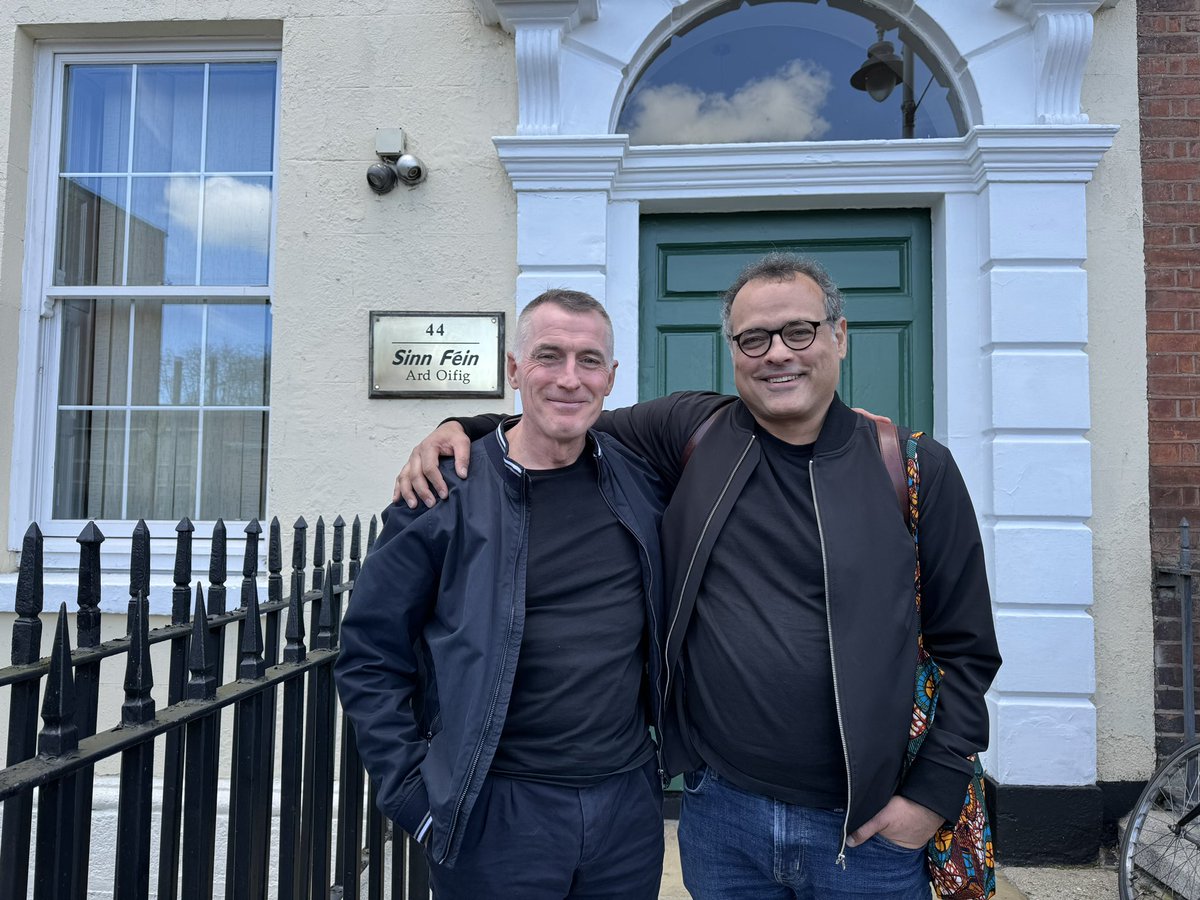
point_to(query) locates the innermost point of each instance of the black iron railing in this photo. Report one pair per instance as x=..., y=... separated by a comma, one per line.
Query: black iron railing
x=319, y=852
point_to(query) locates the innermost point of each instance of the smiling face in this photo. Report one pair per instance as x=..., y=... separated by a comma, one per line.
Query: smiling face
x=788, y=391
x=563, y=372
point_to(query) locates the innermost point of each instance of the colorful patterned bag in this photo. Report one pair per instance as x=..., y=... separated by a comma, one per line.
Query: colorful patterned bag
x=960, y=858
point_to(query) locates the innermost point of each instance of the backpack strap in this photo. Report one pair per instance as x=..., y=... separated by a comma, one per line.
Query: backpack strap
x=697, y=436
x=893, y=461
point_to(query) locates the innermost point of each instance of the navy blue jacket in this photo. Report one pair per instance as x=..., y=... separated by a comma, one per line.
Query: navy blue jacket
x=430, y=638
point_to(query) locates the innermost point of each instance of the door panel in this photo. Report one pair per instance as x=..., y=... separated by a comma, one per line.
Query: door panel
x=879, y=258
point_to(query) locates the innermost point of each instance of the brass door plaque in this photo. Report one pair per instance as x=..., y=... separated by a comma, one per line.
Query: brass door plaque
x=437, y=355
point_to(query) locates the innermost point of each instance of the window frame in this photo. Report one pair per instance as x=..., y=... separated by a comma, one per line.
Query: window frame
x=40, y=323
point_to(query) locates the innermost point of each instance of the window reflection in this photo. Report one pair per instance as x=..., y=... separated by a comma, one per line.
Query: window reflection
x=183, y=205
x=186, y=435
x=780, y=71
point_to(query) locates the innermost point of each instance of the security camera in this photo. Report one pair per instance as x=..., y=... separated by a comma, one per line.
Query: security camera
x=383, y=176
x=409, y=169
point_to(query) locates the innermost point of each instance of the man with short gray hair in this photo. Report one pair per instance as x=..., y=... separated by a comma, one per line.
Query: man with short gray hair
x=501, y=654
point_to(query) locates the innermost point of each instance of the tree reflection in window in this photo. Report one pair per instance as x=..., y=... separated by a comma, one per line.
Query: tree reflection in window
x=780, y=71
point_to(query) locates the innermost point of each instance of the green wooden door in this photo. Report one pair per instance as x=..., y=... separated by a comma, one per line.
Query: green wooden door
x=879, y=258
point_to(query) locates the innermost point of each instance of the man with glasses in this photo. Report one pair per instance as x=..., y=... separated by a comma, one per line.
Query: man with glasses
x=791, y=627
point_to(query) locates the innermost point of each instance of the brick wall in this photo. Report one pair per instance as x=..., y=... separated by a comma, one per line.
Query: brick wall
x=1169, y=87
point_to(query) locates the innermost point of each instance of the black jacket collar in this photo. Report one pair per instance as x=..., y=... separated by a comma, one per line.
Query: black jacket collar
x=836, y=430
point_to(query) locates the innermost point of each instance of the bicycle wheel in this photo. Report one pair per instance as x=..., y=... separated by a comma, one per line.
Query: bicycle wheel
x=1160, y=857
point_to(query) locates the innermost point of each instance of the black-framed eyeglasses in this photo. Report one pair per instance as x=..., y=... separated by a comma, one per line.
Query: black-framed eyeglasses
x=797, y=335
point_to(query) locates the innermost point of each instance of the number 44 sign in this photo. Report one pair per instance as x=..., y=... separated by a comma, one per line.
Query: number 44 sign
x=437, y=355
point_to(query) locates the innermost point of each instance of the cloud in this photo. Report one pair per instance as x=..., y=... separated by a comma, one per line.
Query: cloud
x=236, y=212
x=784, y=106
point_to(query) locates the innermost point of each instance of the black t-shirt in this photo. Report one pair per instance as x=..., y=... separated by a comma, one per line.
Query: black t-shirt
x=577, y=712
x=759, y=680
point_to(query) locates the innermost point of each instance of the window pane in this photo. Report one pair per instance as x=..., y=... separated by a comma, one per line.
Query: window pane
x=238, y=355
x=166, y=354
x=162, y=230
x=162, y=464
x=781, y=72
x=235, y=456
x=91, y=231
x=96, y=119
x=166, y=129
x=95, y=353
x=241, y=117
x=88, y=462
x=237, y=230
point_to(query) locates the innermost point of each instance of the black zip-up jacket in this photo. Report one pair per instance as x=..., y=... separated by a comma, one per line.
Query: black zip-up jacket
x=430, y=639
x=868, y=564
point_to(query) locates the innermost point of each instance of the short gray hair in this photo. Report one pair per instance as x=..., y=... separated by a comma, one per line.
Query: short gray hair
x=571, y=301
x=777, y=267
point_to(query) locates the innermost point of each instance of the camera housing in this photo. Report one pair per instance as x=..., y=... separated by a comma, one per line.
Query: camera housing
x=395, y=166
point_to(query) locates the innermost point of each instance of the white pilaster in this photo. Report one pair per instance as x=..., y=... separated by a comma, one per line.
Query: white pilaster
x=1035, y=333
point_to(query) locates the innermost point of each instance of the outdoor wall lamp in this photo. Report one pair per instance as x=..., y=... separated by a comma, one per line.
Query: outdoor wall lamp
x=880, y=74
x=882, y=71
x=396, y=165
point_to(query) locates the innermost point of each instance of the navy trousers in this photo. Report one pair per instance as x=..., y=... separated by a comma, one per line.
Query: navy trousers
x=531, y=841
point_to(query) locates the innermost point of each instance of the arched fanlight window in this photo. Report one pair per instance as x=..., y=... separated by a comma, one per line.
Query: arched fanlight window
x=790, y=70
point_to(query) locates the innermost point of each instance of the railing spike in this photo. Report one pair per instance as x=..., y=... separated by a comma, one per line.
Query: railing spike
x=139, y=562
x=87, y=622
x=59, y=734
x=294, y=650
x=299, y=530
x=356, y=538
x=250, y=663
x=218, y=565
x=319, y=544
x=138, y=707
x=372, y=532
x=323, y=639
x=29, y=577
x=339, y=539
x=183, y=552
x=250, y=560
x=27, y=629
x=274, y=551
x=202, y=683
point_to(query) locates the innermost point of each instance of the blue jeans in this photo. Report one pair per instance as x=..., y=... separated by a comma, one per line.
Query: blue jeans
x=737, y=844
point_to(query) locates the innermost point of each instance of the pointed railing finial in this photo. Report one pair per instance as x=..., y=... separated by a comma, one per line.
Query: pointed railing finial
x=139, y=562
x=27, y=629
x=250, y=560
x=87, y=622
x=59, y=734
x=372, y=533
x=218, y=562
x=250, y=661
x=202, y=683
x=274, y=551
x=323, y=639
x=138, y=708
x=294, y=650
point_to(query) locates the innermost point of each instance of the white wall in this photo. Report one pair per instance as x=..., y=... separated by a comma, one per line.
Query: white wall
x=1120, y=520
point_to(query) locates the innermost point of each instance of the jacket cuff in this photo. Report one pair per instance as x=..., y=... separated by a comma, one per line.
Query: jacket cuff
x=413, y=814
x=937, y=787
